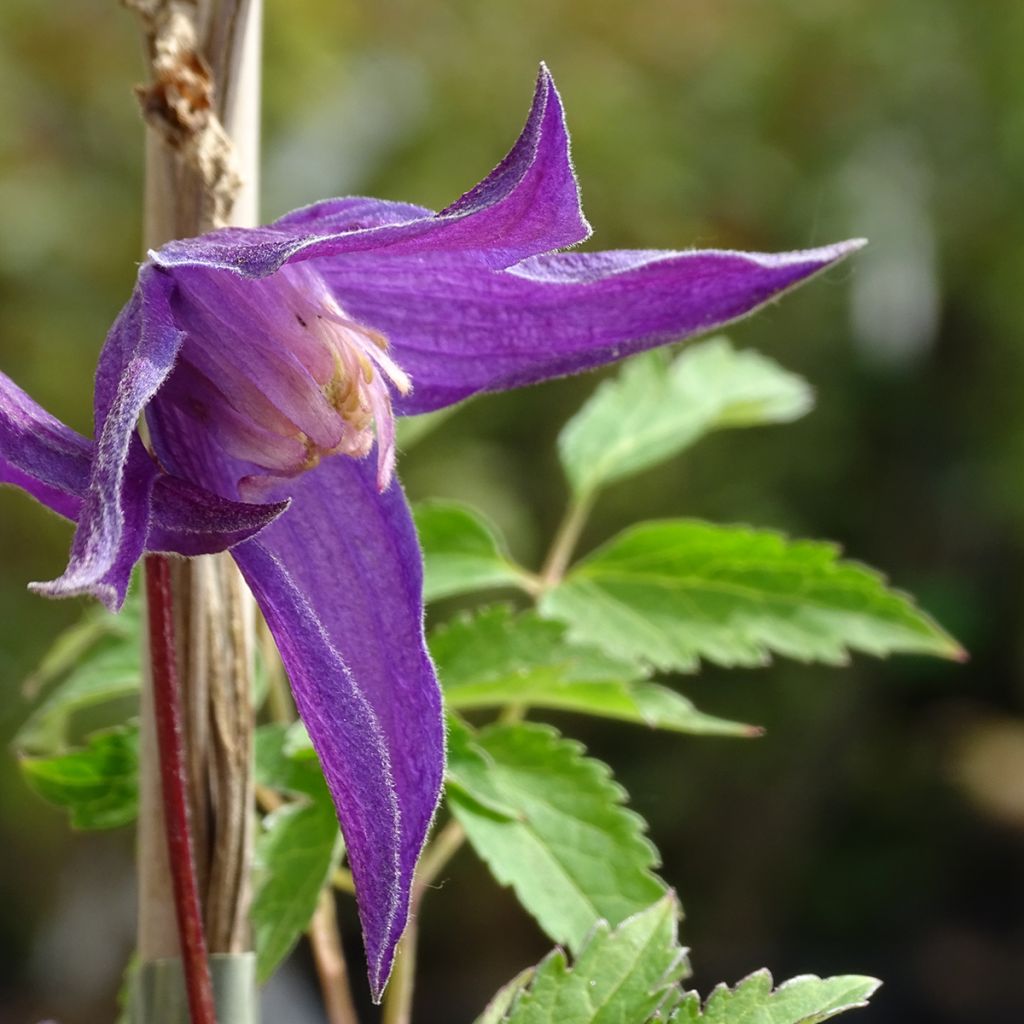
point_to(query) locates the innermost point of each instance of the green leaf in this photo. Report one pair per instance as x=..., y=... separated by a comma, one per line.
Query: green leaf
x=655, y=409
x=98, y=785
x=296, y=852
x=497, y=1010
x=572, y=853
x=462, y=552
x=284, y=760
x=496, y=658
x=103, y=674
x=70, y=645
x=628, y=975
x=670, y=593
x=469, y=771
x=803, y=1000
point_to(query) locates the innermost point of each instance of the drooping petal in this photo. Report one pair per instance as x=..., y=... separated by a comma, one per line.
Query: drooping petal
x=457, y=329
x=188, y=520
x=528, y=204
x=40, y=454
x=112, y=523
x=339, y=580
x=52, y=463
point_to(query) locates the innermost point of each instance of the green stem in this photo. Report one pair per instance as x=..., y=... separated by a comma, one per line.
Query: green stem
x=331, y=969
x=397, y=1008
x=566, y=538
x=435, y=858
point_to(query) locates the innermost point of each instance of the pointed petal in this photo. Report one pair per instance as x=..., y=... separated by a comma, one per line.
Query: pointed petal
x=528, y=204
x=40, y=454
x=138, y=354
x=339, y=580
x=458, y=330
x=349, y=213
x=188, y=520
x=52, y=463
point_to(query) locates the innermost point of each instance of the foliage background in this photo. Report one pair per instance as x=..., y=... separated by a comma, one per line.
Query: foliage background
x=878, y=827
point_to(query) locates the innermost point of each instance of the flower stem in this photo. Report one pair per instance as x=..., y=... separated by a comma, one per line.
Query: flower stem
x=325, y=940
x=163, y=656
x=566, y=538
x=445, y=845
x=397, y=1007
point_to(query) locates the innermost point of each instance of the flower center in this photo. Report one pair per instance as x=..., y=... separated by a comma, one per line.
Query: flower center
x=278, y=376
x=350, y=364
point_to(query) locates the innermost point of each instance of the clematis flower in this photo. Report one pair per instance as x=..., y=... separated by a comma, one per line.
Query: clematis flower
x=269, y=366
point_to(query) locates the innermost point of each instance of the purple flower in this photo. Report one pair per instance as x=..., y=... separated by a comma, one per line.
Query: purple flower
x=269, y=365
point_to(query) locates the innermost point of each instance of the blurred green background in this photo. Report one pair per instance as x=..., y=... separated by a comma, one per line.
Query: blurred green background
x=879, y=826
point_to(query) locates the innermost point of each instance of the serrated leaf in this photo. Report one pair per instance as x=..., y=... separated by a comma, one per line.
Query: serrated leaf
x=462, y=552
x=628, y=975
x=572, y=853
x=103, y=674
x=803, y=1000
x=295, y=856
x=296, y=851
x=72, y=643
x=469, y=771
x=671, y=593
x=655, y=409
x=98, y=785
x=497, y=1010
x=496, y=657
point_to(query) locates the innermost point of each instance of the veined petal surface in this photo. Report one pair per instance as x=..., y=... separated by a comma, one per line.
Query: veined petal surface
x=40, y=454
x=529, y=204
x=458, y=329
x=139, y=353
x=339, y=580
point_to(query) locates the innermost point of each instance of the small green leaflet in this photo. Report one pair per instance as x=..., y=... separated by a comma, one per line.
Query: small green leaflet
x=495, y=658
x=671, y=593
x=572, y=853
x=103, y=674
x=470, y=773
x=98, y=785
x=632, y=975
x=296, y=852
x=803, y=1000
x=505, y=998
x=628, y=975
x=94, y=661
x=655, y=409
x=462, y=552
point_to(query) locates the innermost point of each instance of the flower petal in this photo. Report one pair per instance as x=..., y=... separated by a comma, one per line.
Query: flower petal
x=52, y=463
x=349, y=213
x=188, y=520
x=138, y=354
x=457, y=329
x=339, y=580
x=40, y=454
x=528, y=204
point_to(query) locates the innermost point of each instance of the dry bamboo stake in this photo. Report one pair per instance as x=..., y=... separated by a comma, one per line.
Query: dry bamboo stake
x=202, y=112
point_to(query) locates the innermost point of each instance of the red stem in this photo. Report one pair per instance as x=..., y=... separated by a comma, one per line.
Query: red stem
x=167, y=711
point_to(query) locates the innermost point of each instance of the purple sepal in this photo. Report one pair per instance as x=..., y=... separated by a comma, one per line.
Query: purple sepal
x=40, y=454
x=139, y=353
x=344, y=602
x=189, y=520
x=552, y=315
x=528, y=204
x=53, y=463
